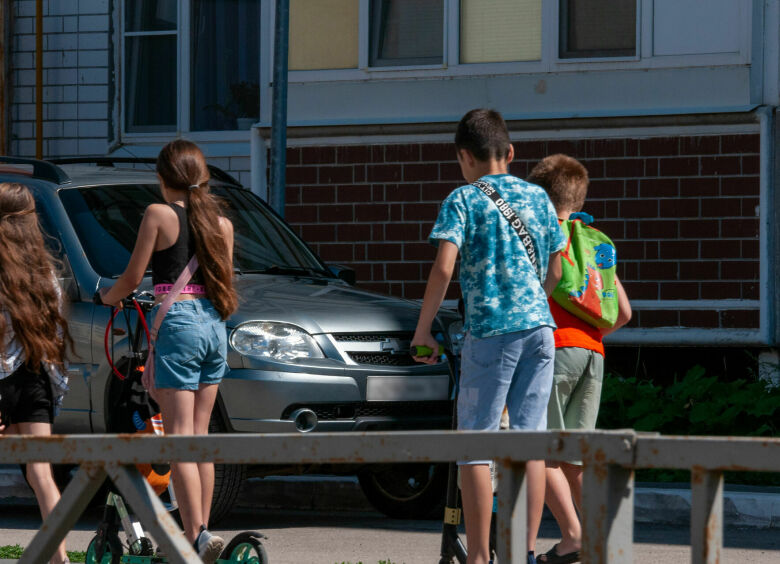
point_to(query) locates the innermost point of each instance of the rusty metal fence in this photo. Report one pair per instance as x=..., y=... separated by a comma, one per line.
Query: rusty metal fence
x=610, y=458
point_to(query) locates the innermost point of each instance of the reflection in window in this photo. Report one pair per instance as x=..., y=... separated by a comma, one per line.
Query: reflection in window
x=224, y=64
x=597, y=28
x=150, y=65
x=150, y=83
x=406, y=32
x=500, y=30
x=150, y=15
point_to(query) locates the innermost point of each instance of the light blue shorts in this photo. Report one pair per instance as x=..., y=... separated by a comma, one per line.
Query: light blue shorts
x=516, y=370
x=191, y=346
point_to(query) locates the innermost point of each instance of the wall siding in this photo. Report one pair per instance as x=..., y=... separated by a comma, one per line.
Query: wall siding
x=683, y=212
x=75, y=74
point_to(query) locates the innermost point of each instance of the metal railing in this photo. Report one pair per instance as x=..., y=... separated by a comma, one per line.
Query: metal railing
x=609, y=458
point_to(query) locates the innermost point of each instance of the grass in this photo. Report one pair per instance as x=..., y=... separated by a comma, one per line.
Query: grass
x=14, y=551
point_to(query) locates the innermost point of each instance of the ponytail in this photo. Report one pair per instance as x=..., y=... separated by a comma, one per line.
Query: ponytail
x=182, y=166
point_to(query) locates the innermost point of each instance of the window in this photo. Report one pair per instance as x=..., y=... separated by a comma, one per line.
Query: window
x=406, y=33
x=190, y=65
x=150, y=61
x=597, y=28
x=106, y=220
x=494, y=31
x=323, y=34
x=380, y=34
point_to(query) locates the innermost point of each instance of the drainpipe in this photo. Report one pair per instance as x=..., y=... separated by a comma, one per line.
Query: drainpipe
x=279, y=109
x=767, y=225
x=38, y=79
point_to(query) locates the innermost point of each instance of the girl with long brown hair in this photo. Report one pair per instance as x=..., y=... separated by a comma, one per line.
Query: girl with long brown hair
x=191, y=346
x=33, y=336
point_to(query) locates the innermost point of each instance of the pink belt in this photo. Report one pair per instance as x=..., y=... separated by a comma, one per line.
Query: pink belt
x=188, y=289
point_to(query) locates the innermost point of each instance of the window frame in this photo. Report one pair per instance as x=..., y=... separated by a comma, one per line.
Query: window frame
x=183, y=76
x=548, y=62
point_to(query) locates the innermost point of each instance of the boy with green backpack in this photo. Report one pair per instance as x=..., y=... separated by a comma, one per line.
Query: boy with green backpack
x=588, y=303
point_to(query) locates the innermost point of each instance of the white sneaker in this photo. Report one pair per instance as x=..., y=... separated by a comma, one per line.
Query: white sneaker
x=209, y=546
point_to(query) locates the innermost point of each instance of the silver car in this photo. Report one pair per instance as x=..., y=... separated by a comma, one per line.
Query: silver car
x=309, y=351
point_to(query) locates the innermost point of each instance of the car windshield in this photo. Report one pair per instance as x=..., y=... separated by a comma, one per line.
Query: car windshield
x=106, y=220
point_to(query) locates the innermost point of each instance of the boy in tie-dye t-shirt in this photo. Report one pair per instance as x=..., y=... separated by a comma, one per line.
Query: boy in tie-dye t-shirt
x=509, y=347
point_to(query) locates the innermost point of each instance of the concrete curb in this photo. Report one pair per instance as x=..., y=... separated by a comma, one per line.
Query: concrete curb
x=653, y=503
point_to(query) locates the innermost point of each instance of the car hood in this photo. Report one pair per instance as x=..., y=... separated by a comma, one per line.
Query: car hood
x=323, y=305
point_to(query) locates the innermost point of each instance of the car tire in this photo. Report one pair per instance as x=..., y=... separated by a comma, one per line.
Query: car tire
x=228, y=478
x=406, y=491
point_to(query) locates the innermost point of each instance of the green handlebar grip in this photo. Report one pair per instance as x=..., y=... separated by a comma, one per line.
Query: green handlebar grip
x=419, y=350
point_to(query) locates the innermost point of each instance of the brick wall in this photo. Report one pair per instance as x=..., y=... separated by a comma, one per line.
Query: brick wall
x=682, y=212
x=75, y=68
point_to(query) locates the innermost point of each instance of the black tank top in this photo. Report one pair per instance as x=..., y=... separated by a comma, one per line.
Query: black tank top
x=169, y=263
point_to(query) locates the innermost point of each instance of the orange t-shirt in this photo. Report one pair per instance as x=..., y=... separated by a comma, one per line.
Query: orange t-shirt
x=573, y=331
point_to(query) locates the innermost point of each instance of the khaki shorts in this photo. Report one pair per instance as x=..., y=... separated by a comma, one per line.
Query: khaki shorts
x=576, y=390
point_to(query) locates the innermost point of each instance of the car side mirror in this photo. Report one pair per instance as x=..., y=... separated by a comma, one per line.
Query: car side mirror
x=344, y=273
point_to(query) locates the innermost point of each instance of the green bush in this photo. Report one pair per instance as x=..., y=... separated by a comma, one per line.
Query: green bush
x=694, y=405
x=697, y=404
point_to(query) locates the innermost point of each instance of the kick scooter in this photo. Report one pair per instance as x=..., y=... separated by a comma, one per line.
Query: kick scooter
x=106, y=546
x=452, y=548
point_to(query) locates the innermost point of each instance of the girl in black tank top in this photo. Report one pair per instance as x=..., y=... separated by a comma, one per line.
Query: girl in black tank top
x=167, y=264
x=191, y=346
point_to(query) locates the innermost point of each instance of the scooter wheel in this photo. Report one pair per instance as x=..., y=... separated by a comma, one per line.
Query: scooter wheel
x=112, y=551
x=142, y=547
x=245, y=548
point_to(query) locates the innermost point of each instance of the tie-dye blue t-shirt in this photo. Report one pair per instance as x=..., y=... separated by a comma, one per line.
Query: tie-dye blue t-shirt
x=501, y=288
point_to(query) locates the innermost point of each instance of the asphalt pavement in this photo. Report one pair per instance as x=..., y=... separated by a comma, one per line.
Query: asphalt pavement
x=319, y=537
x=322, y=519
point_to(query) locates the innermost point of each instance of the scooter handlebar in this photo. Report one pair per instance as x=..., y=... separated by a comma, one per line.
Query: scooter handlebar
x=421, y=350
x=143, y=299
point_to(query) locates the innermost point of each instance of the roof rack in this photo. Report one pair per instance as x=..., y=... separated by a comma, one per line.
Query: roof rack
x=44, y=170
x=215, y=171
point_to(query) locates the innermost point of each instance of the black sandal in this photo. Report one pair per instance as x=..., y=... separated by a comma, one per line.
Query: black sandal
x=552, y=557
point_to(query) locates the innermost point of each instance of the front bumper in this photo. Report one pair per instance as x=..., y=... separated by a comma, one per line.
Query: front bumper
x=267, y=401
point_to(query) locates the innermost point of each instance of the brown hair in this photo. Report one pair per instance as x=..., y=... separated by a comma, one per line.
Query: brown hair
x=182, y=166
x=564, y=179
x=29, y=291
x=483, y=133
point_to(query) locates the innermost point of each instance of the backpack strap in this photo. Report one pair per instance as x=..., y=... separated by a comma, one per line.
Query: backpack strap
x=514, y=220
x=178, y=286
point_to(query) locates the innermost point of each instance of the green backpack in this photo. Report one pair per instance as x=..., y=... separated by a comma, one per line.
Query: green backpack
x=587, y=287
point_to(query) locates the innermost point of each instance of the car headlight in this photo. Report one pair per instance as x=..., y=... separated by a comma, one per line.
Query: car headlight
x=275, y=341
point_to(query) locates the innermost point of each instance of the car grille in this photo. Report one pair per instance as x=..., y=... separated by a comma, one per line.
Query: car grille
x=383, y=359
x=332, y=412
x=369, y=337
x=376, y=349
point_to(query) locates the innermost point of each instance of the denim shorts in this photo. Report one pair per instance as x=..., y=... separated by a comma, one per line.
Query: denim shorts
x=191, y=346
x=516, y=370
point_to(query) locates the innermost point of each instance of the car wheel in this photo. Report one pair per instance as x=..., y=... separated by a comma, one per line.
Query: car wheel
x=406, y=491
x=228, y=478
